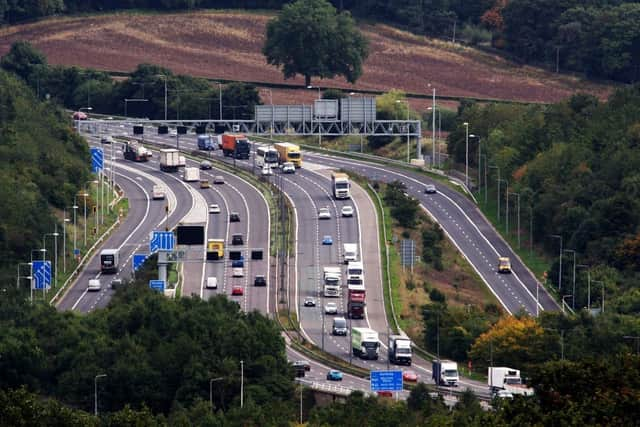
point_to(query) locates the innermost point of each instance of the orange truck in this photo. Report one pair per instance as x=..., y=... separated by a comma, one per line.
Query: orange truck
x=235, y=145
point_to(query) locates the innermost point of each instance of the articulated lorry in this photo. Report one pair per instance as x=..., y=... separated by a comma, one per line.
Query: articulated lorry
x=445, y=372
x=235, y=145
x=364, y=343
x=356, y=301
x=399, y=350
x=332, y=278
x=340, y=185
x=288, y=152
x=135, y=152
x=507, y=379
x=169, y=160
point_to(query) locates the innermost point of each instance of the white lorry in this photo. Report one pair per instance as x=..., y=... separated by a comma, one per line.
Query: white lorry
x=191, y=174
x=332, y=278
x=508, y=379
x=340, y=185
x=355, y=272
x=350, y=252
x=399, y=350
x=169, y=160
x=444, y=372
x=364, y=343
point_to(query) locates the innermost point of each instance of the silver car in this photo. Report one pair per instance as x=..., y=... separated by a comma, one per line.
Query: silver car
x=331, y=308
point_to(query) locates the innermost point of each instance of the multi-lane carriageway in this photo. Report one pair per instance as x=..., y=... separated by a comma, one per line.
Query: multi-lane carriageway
x=308, y=190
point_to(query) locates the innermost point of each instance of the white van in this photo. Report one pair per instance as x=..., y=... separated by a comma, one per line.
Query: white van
x=212, y=283
x=94, y=285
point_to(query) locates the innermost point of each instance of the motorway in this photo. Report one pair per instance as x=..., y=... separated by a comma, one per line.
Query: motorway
x=308, y=190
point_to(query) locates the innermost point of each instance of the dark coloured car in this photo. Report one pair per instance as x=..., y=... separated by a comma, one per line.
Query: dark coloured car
x=260, y=280
x=237, y=239
x=302, y=363
x=234, y=217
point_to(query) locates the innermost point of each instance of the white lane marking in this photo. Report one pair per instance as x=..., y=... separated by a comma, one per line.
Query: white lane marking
x=146, y=214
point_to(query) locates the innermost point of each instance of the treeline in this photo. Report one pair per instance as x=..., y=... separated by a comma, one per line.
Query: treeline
x=42, y=165
x=82, y=88
x=597, y=37
x=156, y=353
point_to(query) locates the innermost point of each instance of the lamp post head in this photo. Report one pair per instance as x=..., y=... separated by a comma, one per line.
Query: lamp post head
x=55, y=234
x=465, y=124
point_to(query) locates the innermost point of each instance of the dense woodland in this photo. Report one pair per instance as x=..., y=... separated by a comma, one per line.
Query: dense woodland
x=596, y=37
x=42, y=165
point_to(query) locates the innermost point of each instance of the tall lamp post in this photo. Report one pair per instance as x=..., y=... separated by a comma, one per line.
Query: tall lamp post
x=588, y=284
x=319, y=122
x=439, y=136
x=506, y=192
x=558, y=236
x=65, y=220
x=211, y=381
x=95, y=392
x=466, y=155
x=164, y=77
x=573, y=301
x=498, y=181
x=55, y=235
x=398, y=101
x=518, y=212
x=43, y=250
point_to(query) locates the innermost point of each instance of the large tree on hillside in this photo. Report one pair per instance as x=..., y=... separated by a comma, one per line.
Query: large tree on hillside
x=311, y=39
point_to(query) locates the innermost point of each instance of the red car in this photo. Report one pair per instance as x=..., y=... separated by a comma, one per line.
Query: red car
x=237, y=290
x=409, y=376
x=385, y=393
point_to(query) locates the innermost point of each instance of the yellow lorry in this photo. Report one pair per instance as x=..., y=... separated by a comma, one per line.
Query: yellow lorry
x=288, y=152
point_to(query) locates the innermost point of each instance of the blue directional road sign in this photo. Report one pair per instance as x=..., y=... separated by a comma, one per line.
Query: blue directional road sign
x=157, y=285
x=138, y=260
x=97, y=159
x=386, y=380
x=41, y=273
x=161, y=240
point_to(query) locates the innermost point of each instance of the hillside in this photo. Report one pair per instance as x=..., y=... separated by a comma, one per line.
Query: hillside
x=227, y=45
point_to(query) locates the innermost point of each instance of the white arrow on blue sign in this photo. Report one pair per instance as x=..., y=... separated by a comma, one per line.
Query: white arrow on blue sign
x=138, y=260
x=41, y=273
x=386, y=380
x=97, y=159
x=161, y=241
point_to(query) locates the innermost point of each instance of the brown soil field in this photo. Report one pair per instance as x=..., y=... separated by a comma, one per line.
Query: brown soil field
x=227, y=45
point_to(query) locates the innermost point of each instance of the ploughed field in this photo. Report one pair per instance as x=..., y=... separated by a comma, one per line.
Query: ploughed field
x=227, y=45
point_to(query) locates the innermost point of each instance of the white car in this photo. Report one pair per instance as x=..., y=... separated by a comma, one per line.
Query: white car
x=266, y=170
x=173, y=132
x=237, y=272
x=94, y=285
x=212, y=283
x=214, y=208
x=288, y=167
x=347, y=211
x=324, y=213
x=331, y=308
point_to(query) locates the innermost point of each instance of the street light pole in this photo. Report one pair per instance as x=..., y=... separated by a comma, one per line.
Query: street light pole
x=317, y=116
x=498, y=181
x=95, y=393
x=518, y=213
x=466, y=157
x=408, y=146
x=573, y=301
x=220, y=97
x=588, y=285
x=64, y=239
x=560, y=259
x=507, y=202
x=433, y=126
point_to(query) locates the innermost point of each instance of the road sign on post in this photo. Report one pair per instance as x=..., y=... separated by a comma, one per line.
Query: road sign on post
x=161, y=240
x=138, y=260
x=41, y=273
x=157, y=285
x=97, y=159
x=386, y=380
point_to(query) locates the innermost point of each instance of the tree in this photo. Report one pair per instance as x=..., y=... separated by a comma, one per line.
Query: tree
x=311, y=39
x=22, y=59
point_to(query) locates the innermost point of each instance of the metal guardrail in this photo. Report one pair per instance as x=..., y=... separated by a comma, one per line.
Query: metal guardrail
x=326, y=388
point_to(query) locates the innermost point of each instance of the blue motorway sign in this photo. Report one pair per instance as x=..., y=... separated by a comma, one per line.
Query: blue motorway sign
x=386, y=380
x=161, y=240
x=157, y=285
x=138, y=260
x=97, y=159
x=41, y=273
